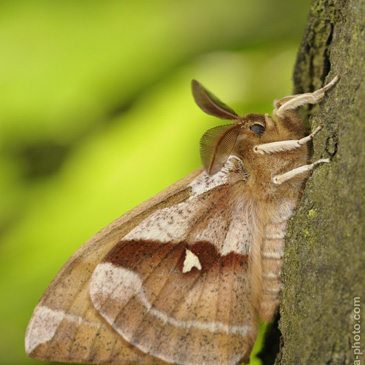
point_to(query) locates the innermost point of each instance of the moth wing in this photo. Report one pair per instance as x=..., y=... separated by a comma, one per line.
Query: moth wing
x=178, y=286
x=65, y=326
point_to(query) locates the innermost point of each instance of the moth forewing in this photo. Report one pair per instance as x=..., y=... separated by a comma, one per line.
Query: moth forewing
x=65, y=314
x=183, y=277
x=151, y=297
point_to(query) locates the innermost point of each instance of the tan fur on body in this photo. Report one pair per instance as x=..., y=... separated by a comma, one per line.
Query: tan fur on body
x=270, y=197
x=261, y=170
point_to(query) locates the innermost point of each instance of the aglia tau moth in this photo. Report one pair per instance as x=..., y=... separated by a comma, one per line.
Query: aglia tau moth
x=183, y=277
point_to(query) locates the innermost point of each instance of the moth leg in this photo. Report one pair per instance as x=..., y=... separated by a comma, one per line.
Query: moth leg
x=288, y=145
x=294, y=101
x=279, y=179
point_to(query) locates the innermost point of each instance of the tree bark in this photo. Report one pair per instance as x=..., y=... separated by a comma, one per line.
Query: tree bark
x=324, y=265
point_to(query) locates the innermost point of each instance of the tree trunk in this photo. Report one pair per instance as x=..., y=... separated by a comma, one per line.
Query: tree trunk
x=324, y=267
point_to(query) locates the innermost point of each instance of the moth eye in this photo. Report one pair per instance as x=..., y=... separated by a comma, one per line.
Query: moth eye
x=257, y=129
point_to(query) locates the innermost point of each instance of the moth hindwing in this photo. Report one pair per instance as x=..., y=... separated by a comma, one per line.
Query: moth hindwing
x=183, y=277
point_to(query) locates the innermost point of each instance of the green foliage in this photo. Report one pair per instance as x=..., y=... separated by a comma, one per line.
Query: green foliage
x=96, y=115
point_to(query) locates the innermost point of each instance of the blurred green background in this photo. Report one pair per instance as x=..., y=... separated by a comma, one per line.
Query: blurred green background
x=96, y=115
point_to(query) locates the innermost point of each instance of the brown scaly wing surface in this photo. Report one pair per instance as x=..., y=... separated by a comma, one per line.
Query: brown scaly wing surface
x=193, y=240
x=199, y=250
x=65, y=326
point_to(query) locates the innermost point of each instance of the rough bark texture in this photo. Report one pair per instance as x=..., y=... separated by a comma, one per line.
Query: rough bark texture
x=324, y=267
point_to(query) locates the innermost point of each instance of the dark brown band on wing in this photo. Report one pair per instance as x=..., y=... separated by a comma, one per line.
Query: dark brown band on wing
x=130, y=254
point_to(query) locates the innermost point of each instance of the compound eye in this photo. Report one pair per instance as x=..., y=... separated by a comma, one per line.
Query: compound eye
x=257, y=129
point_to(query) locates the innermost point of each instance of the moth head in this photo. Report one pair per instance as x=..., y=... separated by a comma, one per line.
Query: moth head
x=218, y=143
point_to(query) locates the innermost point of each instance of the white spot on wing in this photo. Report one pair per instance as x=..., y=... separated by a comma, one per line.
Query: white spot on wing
x=191, y=260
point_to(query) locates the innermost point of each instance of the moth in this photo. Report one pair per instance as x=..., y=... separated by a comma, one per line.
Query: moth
x=183, y=277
